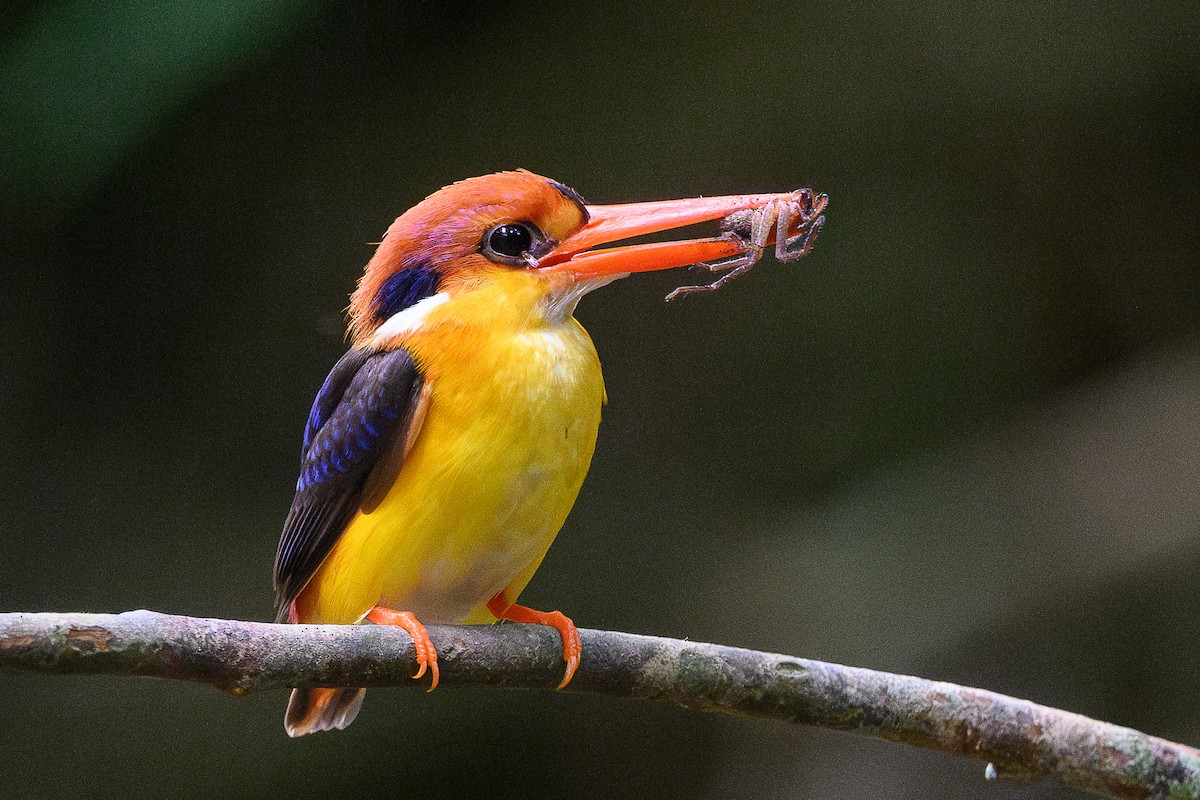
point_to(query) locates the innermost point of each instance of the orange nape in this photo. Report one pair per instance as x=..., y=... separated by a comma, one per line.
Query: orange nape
x=502, y=608
x=426, y=652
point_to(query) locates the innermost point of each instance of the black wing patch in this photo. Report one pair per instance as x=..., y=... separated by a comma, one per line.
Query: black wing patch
x=363, y=411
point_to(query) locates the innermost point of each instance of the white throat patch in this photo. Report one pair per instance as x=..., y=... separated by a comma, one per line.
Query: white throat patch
x=560, y=305
x=407, y=320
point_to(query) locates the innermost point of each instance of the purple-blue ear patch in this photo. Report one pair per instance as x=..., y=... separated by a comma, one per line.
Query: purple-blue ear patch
x=407, y=287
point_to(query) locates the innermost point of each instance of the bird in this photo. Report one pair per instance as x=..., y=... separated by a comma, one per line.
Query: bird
x=445, y=449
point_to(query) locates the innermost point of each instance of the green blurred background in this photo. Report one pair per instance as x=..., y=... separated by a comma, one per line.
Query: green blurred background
x=959, y=440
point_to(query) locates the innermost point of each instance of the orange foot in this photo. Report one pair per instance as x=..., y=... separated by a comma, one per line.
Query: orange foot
x=426, y=652
x=501, y=608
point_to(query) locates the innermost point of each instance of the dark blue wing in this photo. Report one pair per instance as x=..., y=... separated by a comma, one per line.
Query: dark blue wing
x=362, y=413
x=331, y=393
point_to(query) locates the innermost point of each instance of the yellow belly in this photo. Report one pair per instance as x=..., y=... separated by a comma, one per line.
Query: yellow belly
x=505, y=445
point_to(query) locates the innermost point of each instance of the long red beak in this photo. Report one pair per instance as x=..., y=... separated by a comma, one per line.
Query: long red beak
x=610, y=223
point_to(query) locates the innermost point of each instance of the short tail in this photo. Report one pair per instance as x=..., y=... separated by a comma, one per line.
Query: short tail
x=312, y=710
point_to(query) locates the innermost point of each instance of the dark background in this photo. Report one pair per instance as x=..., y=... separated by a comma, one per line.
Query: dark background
x=959, y=440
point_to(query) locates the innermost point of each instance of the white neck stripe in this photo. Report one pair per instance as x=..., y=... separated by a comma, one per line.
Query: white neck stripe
x=408, y=320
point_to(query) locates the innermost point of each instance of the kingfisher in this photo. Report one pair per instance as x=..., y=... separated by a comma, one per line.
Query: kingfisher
x=445, y=449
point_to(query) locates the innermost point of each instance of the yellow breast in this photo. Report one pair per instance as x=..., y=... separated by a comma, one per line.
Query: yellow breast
x=507, y=440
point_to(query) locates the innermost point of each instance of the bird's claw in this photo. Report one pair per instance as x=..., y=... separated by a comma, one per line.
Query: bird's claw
x=425, y=651
x=501, y=608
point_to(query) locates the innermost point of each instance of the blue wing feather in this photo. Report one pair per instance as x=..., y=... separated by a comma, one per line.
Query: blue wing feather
x=364, y=408
x=331, y=392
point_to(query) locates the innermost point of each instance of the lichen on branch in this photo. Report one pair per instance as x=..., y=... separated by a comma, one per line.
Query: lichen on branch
x=1021, y=739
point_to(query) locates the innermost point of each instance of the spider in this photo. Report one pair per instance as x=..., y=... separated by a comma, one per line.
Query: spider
x=791, y=223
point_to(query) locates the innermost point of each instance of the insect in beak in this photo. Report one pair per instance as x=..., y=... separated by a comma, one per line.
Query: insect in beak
x=750, y=224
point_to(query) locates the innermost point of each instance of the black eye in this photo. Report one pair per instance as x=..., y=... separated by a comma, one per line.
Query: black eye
x=509, y=241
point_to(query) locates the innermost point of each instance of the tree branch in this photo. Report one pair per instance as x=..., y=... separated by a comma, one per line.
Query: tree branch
x=1023, y=740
